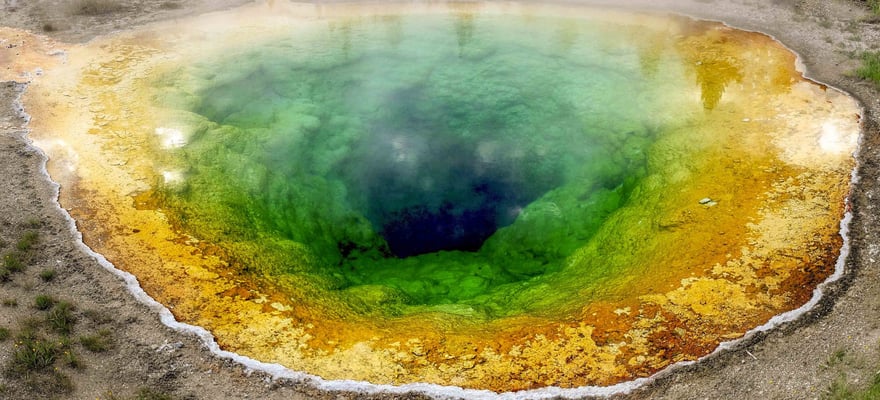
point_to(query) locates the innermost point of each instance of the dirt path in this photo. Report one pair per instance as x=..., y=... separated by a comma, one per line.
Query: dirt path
x=839, y=341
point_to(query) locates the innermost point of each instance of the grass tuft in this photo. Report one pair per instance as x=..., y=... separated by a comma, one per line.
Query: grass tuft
x=27, y=242
x=44, y=302
x=838, y=357
x=71, y=359
x=61, y=318
x=95, y=7
x=42, y=345
x=47, y=275
x=31, y=356
x=870, y=68
x=873, y=391
x=97, y=343
x=10, y=302
x=33, y=223
x=170, y=5
x=12, y=263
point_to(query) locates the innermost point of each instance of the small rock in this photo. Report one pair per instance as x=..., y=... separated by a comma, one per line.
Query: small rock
x=705, y=200
x=169, y=347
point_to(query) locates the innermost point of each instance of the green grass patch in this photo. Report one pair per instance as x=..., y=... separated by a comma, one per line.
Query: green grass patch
x=32, y=356
x=170, y=5
x=10, y=303
x=838, y=357
x=71, y=359
x=27, y=241
x=42, y=346
x=44, y=302
x=47, y=275
x=840, y=389
x=873, y=391
x=12, y=262
x=95, y=7
x=61, y=318
x=874, y=5
x=97, y=343
x=870, y=68
x=5, y=274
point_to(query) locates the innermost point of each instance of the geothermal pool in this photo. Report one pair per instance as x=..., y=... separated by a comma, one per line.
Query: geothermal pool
x=492, y=196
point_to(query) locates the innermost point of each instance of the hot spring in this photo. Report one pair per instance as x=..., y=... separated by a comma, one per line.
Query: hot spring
x=492, y=196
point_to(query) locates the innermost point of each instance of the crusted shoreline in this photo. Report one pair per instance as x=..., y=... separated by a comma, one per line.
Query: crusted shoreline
x=791, y=361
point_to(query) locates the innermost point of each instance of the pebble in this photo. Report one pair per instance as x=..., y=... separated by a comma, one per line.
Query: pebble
x=169, y=347
x=705, y=200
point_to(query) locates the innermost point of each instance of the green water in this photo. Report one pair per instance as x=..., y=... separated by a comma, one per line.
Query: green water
x=405, y=162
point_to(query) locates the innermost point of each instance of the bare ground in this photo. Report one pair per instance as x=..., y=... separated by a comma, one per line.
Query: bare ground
x=839, y=341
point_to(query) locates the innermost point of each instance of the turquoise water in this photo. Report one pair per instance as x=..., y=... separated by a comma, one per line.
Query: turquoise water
x=418, y=160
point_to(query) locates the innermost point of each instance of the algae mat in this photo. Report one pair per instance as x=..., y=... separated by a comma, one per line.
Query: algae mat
x=491, y=196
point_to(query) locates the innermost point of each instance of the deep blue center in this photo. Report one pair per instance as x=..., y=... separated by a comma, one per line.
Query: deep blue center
x=426, y=187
